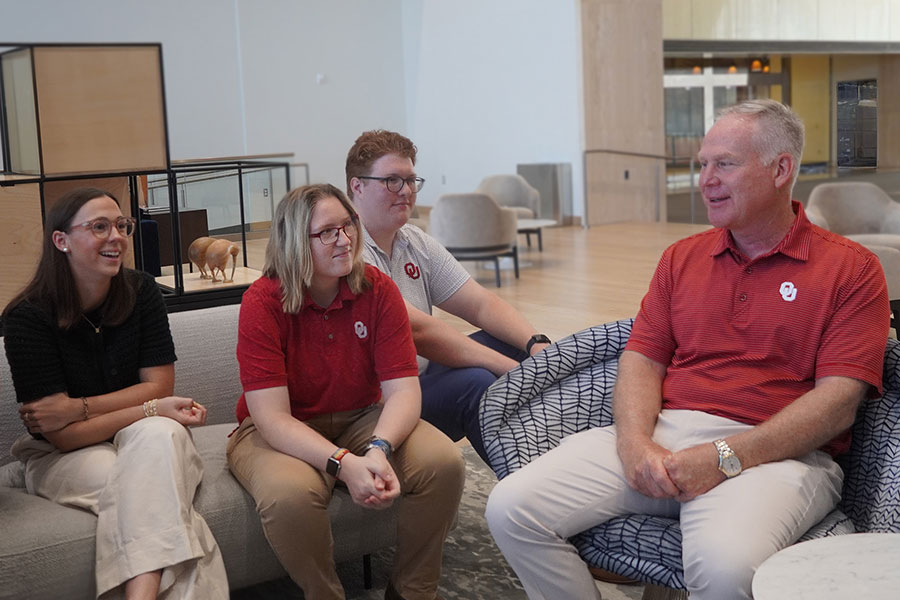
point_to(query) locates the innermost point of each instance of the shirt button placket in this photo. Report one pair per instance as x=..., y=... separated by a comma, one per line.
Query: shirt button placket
x=330, y=335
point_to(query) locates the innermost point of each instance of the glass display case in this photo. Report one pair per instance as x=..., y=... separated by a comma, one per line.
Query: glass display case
x=55, y=135
x=229, y=202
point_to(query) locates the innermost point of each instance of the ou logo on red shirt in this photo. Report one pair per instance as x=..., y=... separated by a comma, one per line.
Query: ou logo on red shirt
x=412, y=271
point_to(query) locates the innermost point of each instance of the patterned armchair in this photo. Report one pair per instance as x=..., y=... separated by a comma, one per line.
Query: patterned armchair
x=568, y=388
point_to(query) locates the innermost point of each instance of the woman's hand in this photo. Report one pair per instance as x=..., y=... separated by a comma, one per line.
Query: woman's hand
x=51, y=413
x=370, y=479
x=184, y=410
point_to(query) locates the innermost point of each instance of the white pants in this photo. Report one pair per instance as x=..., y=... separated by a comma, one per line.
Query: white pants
x=726, y=533
x=141, y=487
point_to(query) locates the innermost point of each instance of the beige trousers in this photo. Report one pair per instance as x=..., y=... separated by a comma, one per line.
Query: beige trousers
x=141, y=487
x=292, y=499
x=726, y=532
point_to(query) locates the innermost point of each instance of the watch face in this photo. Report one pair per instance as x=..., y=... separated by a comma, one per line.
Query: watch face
x=731, y=466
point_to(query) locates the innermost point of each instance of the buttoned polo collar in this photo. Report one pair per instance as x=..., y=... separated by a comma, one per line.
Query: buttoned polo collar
x=795, y=244
x=401, y=241
x=344, y=294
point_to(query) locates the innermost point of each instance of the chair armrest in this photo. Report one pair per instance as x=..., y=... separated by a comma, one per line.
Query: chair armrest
x=508, y=226
x=562, y=390
x=871, y=492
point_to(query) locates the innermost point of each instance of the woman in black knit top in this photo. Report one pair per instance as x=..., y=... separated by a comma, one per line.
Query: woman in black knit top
x=92, y=361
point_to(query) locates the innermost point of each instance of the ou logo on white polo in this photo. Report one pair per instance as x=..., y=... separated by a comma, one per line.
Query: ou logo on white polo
x=361, y=330
x=788, y=291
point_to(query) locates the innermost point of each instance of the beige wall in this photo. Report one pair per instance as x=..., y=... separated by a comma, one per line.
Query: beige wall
x=824, y=20
x=623, y=110
x=889, y=112
x=810, y=90
x=20, y=244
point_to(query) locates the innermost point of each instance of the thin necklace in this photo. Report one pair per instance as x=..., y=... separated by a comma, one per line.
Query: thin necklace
x=96, y=327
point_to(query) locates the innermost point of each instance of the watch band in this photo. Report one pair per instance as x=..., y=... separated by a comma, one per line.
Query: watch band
x=729, y=463
x=538, y=338
x=333, y=466
x=382, y=444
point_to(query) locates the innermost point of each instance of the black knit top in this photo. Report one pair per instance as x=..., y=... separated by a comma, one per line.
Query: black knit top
x=45, y=359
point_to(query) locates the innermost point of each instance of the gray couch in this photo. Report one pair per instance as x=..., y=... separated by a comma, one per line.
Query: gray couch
x=47, y=550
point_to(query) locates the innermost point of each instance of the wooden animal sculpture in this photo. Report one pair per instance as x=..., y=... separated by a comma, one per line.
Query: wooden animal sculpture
x=197, y=254
x=217, y=254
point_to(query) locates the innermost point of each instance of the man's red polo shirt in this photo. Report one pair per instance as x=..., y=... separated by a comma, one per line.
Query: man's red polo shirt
x=744, y=338
x=331, y=359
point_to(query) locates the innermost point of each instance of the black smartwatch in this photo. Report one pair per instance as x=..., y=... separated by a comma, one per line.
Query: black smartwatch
x=382, y=444
x=538, y=338
x=333, y=466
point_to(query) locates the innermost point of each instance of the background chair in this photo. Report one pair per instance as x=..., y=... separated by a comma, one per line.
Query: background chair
x=568, y=388
x=858, y=210
x=890, y=263
x=475, y=227
x=514, y=192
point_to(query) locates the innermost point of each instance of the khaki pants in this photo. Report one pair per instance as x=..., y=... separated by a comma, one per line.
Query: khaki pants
x=292, y=499
x=141, y=487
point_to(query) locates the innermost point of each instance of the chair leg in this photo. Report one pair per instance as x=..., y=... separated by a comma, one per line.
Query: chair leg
x=528, y=238
x=367, y=571
x=540, y=241
x=658, y=592
x=516, y=259
x=497, y=269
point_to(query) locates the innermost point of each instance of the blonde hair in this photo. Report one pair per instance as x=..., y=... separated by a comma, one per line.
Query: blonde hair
x=288, y=254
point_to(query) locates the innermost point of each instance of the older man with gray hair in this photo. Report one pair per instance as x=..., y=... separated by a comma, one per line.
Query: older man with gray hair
x=750, y=354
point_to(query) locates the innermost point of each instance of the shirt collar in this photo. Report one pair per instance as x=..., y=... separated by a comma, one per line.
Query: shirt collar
x=795, y=244
x=344, y=294
x=401, y=240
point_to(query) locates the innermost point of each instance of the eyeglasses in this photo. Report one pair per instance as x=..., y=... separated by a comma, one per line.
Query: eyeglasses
x=101, y=227
x=395, y=184
x=330, y=236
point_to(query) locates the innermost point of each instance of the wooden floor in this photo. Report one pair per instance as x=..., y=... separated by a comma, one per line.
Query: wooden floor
x=584, y=276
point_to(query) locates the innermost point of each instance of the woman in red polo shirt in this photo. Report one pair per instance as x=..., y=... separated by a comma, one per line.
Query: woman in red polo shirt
x=331, y=393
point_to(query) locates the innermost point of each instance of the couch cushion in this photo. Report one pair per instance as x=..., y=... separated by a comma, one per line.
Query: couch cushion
x=47, y=548
x=207, y=368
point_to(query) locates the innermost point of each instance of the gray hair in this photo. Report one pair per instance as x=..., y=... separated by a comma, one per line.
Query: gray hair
x=779, y=130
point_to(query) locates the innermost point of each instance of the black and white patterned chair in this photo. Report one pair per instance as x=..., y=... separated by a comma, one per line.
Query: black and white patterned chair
x=568, y=388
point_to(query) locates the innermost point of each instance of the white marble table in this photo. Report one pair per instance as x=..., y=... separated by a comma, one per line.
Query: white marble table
x=846, y=567
x=529, y=226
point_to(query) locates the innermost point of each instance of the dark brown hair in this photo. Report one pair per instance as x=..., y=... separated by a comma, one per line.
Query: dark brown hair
x=53, y=286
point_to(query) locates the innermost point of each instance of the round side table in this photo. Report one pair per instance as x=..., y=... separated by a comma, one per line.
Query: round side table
x=858, y=565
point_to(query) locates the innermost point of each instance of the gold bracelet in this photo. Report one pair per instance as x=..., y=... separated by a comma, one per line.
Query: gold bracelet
x=85, y=407
x=150, y=409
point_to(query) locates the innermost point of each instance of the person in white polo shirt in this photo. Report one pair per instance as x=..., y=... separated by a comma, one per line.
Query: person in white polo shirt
x=454, y=369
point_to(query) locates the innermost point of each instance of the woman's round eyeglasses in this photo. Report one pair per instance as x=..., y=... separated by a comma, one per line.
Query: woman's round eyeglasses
x=330, y=236
x=395, y=183
x=102, y=227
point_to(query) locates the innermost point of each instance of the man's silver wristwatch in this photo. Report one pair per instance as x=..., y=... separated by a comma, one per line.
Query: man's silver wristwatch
x=729, y=463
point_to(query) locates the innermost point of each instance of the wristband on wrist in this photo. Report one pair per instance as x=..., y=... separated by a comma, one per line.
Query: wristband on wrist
x=333, y=466
x=382, y=444
x=150, y=408
x=84, y=407
x=538, y=338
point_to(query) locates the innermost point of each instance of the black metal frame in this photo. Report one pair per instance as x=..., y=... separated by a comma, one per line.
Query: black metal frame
x=177, y=299
x=493, y=253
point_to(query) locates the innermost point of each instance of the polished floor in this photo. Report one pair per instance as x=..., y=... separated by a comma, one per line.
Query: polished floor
x=584, y=276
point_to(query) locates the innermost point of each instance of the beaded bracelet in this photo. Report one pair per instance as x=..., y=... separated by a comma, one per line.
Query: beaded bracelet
x=85, y=407
x=150, y=409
